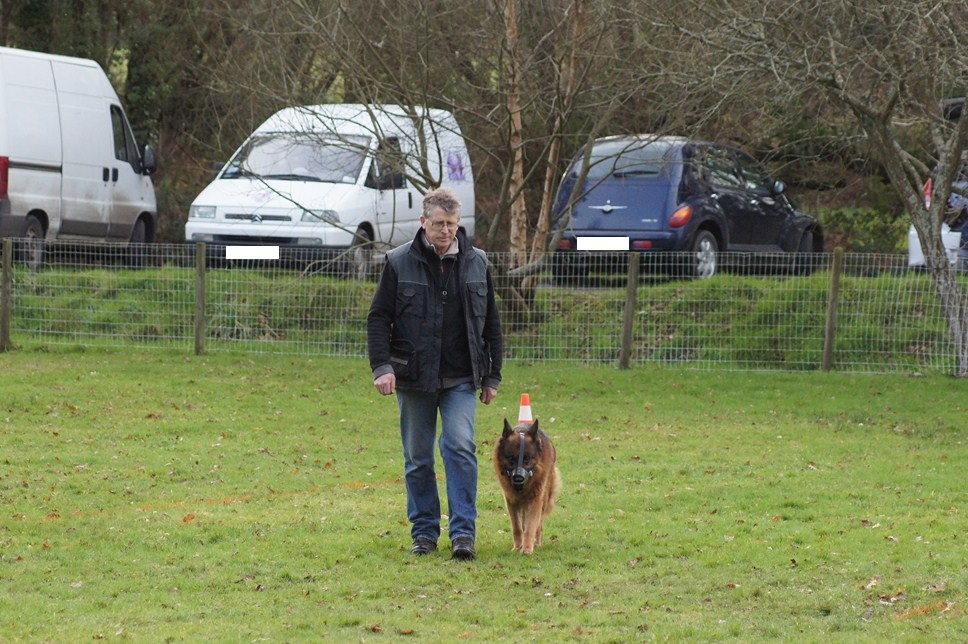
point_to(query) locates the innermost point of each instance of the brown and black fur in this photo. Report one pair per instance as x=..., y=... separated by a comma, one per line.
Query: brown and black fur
x=530, y=490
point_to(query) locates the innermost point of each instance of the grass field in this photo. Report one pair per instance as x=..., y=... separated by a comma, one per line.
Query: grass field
x=158, y=497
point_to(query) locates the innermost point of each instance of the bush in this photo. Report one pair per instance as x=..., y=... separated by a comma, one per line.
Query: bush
x=864, y=230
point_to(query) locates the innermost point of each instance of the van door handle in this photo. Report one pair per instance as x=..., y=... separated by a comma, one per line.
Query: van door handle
x=105, y=175
x=114, y=175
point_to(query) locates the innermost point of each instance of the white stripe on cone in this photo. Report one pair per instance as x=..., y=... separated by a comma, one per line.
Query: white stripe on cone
x=524, y=415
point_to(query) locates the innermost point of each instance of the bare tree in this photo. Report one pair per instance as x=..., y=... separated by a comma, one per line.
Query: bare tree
x=883, y=70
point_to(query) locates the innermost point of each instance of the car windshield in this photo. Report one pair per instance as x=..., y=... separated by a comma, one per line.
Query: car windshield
x=625, y=157
x=300, y=157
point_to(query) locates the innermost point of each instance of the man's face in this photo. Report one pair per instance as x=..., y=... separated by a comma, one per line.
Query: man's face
x=440, y=228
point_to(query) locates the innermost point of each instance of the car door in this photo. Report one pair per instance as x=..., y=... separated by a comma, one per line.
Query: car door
x=721, y=173
x=769, y=210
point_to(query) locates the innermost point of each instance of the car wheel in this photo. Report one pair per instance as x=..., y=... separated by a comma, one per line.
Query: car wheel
x=704, y=255
x=805, y=259
x=32, y=253
x=359, y=258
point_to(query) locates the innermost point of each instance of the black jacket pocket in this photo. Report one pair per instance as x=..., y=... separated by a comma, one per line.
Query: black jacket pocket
x=403, y=357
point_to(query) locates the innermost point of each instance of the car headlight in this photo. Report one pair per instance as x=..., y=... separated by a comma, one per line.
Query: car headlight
x=320, y=216
x=201, y=212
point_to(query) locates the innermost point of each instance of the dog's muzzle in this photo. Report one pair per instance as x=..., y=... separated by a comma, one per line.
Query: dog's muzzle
x=519, y=477
x=521, y=474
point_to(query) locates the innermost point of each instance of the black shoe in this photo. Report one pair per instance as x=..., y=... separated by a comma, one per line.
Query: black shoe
x=463, y=548
x=423, y=545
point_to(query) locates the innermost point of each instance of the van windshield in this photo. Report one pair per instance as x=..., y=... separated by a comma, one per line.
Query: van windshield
x=300, y=157
x=625, y=157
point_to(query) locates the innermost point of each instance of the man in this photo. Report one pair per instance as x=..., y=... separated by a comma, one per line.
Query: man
x=434, y=336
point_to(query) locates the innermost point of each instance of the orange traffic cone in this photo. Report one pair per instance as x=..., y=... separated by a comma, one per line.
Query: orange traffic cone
x=524, y=415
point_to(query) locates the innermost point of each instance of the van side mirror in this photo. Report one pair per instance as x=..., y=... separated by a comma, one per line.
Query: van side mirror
x=149, y=162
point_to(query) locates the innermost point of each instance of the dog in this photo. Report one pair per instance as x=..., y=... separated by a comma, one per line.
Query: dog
x=526, y=466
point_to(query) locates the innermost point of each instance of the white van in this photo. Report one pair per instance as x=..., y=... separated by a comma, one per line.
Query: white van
x=70, y=168
x=340, y=180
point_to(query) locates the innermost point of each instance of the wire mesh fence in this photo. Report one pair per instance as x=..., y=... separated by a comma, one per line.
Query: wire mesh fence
x=772, y=313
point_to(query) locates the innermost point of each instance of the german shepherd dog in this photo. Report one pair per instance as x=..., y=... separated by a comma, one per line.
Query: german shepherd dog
x=526, y=468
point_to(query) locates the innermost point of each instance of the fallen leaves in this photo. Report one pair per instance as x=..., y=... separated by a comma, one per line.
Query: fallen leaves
x=927, y=609
x=888, y=599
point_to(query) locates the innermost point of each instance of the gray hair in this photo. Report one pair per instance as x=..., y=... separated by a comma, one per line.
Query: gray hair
x=443, y=198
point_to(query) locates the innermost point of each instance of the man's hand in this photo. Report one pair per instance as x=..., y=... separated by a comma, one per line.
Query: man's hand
x=386, y=384
x=488, y=394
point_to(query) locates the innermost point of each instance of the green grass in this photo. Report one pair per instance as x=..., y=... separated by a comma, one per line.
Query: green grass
x=154, y=496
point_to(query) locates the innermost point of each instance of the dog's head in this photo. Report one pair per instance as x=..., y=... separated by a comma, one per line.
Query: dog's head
x=518, y=452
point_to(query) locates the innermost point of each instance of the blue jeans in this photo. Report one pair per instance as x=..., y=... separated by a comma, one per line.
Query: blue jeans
x=418, y=429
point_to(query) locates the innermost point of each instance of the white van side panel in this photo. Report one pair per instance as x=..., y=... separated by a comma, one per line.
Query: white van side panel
x=32, y=105
x=86, y=121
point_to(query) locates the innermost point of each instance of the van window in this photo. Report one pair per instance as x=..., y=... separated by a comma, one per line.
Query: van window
x=300, y=157
x=125, y=147
x=387, y=169
x=625, y=157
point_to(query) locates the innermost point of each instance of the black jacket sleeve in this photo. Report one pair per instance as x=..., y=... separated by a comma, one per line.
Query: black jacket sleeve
x=379, y=322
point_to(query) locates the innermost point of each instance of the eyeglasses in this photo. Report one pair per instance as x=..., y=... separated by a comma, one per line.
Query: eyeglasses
x=440, y=225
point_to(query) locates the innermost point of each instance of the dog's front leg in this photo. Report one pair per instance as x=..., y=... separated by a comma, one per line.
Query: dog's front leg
x=531, y=529
x=517, y=526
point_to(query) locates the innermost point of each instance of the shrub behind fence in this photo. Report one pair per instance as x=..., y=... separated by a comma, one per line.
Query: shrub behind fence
x=748, y=317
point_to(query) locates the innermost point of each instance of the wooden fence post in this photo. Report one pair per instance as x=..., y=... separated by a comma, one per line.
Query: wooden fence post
x=6, y=291
x=631, y=297
x=200, y=254
x=833, y=298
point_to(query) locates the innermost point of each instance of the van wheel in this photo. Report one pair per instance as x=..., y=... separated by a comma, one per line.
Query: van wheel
x=704, y=255
x=32, y=252
x=358, y=260
x=139, y=234
x=137, y=254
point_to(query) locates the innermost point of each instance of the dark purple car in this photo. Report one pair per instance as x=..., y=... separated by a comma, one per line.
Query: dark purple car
x=656, y=194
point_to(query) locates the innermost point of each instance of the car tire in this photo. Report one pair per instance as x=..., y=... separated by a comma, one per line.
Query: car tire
x=703, y=260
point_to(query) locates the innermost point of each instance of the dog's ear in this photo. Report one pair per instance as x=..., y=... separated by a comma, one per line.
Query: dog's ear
x=533, y=434
x=508, y=430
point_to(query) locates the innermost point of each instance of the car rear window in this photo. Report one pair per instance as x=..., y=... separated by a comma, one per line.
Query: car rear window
x=625, y=157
